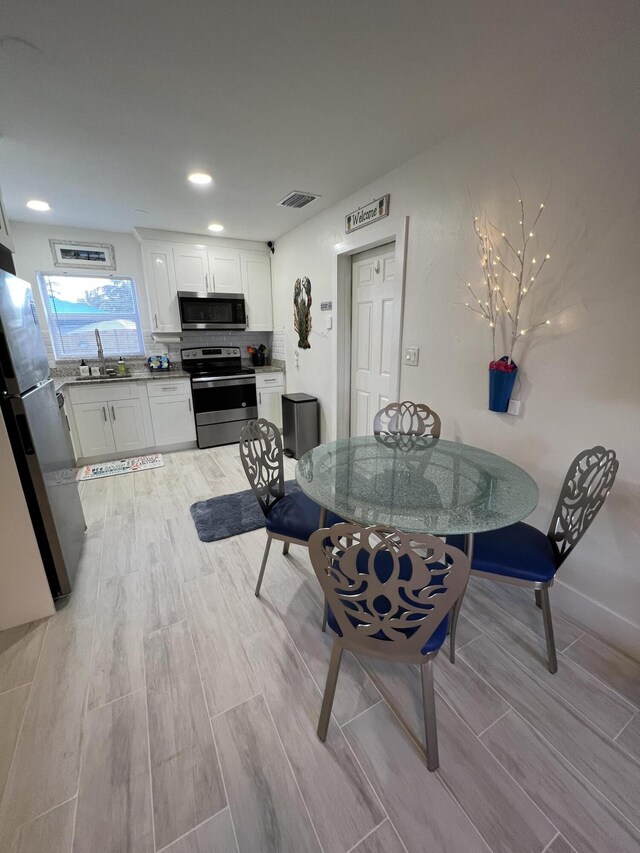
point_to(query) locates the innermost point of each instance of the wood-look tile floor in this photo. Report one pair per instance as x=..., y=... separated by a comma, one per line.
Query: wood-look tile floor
x=166, y=708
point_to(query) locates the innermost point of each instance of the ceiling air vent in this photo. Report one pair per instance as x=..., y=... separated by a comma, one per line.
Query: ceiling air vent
x=297, y=199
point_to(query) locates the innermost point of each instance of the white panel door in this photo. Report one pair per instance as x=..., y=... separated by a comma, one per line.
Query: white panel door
x=373, y=293
x=192, y=268
x=161, y=287
x=224, y=269
x=128, y=425
x=256, y=280
x=93, y=424
x=172, y=419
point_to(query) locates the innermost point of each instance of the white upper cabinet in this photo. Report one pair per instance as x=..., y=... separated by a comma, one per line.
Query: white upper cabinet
x=225, y=271
x=161, y=287
x=256, y=278
x=192, y=268
x=170, y=267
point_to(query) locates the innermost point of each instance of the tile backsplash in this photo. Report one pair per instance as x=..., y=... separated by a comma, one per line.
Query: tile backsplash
x=189, y=339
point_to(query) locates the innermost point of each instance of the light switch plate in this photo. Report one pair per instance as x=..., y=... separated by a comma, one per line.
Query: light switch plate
x=514, y=407
x=411, y=356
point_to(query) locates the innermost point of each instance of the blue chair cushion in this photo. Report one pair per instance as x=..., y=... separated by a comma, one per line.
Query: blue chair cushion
x=432, y=645
x=518, y=551
x=297, y=516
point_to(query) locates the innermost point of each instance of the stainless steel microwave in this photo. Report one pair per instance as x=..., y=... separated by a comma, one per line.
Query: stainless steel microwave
x=212, y=310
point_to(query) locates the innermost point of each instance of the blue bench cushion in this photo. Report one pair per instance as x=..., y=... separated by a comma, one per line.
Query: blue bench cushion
x=297, y=516
x=518, y=551
x=432, y=645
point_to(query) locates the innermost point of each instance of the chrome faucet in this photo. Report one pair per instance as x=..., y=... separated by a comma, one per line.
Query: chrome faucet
x=103, y=363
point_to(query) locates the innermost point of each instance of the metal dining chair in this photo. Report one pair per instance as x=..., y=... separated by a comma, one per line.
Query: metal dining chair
x=290, y=518
x=389, y=595
x=523, y=555
x=407, y=418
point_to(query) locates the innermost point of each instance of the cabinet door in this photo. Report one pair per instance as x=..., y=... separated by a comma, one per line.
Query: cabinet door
x=192, y=268
x=224, y=268
x=256, y=279
x=128, y=425
x=270, y=405
x=93, y=425
x=162, y=287
x=172, y=420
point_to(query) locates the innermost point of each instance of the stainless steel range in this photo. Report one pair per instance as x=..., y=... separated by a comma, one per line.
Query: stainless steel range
x=224, y=393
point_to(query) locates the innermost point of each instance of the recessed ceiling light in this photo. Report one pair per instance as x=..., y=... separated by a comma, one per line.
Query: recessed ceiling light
x=200, y=178
x=34, y=204
x=215, y=226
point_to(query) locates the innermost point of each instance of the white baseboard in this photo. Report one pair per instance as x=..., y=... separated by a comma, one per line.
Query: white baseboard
x=596, y=618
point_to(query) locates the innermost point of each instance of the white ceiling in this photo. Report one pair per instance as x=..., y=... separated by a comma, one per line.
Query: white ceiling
x=115, y=102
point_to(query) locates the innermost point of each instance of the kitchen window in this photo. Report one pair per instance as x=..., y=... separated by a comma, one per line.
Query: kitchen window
x=77, y=305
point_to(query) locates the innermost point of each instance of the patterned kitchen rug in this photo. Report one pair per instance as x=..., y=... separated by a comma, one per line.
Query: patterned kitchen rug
x=120, y=466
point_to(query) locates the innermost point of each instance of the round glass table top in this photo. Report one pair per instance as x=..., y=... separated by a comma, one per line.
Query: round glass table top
x=418, y=485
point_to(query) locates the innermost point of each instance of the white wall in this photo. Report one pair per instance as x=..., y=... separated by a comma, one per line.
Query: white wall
x=33, y=254
x=24, y=589
x=577, y=152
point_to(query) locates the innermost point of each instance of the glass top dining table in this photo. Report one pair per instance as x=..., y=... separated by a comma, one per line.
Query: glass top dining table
x=417, y=484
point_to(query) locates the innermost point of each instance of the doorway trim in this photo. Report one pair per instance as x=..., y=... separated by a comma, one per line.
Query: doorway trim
x=391, y=230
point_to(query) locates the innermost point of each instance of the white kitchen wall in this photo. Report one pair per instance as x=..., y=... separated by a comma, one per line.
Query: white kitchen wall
x=577, y=152
x=33, y=254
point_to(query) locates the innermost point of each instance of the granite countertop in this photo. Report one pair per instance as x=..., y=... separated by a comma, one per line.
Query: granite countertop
x=134, y=376
x=269, y=368
x=146, y=376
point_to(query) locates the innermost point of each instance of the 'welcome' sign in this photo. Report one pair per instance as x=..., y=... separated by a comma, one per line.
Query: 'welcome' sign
x=378, y=209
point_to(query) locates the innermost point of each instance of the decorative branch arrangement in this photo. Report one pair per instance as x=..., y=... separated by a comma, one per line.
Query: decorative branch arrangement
x=510, y=272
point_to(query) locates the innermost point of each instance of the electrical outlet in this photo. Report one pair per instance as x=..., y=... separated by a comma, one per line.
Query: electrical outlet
x=411, y=356
x=514, y=407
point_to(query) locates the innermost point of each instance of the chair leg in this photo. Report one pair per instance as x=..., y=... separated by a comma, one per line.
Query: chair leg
x=429, y=704
x=548, y=629
x=285, y=547
x=329, y=690
x=538, y=598
x=325, y=616
x=453, y=624
x=263, y=566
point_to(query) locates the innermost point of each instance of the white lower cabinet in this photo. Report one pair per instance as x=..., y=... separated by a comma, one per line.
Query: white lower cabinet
x=172, y=419
x=93, y=427
x=128, y=417
x=270, y=388
x=128, y=425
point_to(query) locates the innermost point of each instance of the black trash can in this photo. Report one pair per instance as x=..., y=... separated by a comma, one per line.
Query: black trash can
x=299, y=424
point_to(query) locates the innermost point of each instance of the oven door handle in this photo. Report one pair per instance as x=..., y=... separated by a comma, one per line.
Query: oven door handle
x=222, y=383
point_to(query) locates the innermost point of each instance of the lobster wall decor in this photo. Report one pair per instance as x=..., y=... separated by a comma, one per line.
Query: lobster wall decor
x=302, y=311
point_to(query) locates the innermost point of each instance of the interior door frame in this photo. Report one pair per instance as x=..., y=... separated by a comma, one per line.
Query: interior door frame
x=391, y=230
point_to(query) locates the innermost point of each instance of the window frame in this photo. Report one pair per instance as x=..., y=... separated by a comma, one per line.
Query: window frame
x=42, y=275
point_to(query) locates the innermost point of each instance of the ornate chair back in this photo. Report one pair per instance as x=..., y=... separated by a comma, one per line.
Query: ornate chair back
x=407, y=418
x=586, y=486
x=261, y=456
x=388, y=591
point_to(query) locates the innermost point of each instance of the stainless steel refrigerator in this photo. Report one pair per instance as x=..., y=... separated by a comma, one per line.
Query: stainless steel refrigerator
x=39, y=436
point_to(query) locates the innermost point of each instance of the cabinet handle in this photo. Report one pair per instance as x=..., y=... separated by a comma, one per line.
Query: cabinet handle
x=269, y=380
x=260, y=397
x=104, y=414
x=113, y=413
x=155, y=321
x=206, y=282
x=168, y=387
x=213, y=282
x=190, y=404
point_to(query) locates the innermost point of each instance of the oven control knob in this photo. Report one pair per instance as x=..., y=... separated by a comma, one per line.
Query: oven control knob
x=228, y=352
